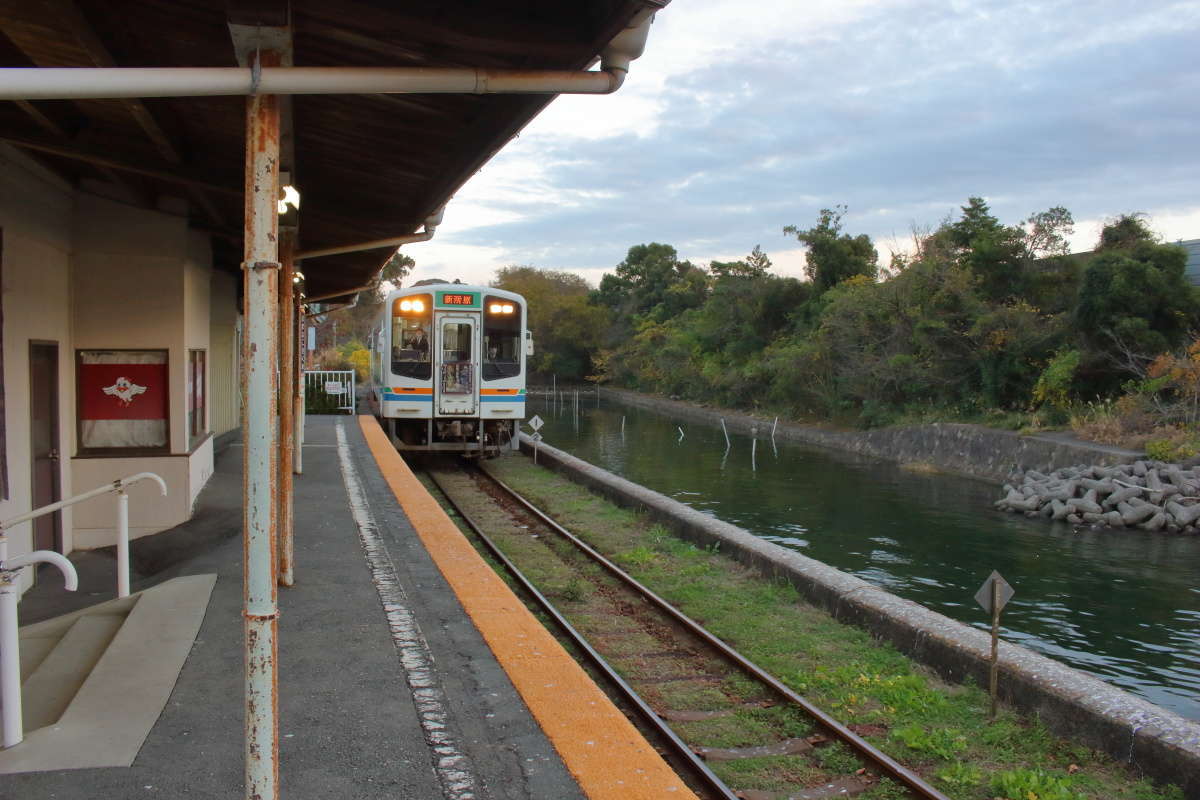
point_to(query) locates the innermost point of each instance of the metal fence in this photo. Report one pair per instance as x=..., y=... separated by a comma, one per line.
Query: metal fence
x=329, y=391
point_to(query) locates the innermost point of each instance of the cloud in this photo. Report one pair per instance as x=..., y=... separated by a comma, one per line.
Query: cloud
x=735, y=124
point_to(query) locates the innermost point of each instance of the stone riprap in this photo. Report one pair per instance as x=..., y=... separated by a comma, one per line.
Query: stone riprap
x=1156, y=741
x=1149, y=495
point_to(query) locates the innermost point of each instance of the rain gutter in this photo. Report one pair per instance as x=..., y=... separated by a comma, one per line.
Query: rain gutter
x=78, y=83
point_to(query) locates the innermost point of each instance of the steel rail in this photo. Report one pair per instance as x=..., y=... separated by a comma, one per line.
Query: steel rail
x=681, y=748
x=886, y=763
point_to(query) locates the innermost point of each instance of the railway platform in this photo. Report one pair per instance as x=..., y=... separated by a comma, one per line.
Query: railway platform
x=406, y=666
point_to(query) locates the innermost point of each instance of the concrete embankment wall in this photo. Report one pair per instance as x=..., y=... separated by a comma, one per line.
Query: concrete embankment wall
x=971, y=450
x=1162, y=744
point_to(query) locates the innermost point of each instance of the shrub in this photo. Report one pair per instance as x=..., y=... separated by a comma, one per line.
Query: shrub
x=1180, y=445
x=1034, y=784
x=316, y=401
x=1053, y=386
x=360, y=360
x=332, y=358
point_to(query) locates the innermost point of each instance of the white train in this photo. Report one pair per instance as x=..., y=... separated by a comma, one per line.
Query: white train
x=448, y=368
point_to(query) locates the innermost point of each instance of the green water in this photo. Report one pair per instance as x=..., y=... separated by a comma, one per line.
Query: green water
x=1123, y=606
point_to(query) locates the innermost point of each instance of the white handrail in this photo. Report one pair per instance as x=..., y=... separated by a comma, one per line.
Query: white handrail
x=10, y=568
x=115, y=486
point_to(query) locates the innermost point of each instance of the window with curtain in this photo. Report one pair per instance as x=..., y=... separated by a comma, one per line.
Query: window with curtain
x=197, y=390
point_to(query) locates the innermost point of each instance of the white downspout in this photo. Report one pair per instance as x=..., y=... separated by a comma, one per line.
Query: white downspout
x=431, y=224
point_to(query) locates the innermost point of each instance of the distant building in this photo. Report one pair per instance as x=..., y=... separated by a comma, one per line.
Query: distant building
x=1192, y=270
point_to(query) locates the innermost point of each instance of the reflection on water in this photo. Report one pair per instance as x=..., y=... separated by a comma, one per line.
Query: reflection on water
x=1124, y=606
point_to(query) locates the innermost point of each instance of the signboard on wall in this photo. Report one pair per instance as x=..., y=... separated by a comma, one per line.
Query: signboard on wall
x=123, y=399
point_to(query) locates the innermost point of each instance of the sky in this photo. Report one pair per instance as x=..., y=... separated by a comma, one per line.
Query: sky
x=742, y=118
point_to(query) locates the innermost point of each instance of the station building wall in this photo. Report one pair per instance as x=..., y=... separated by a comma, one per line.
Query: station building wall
x=36, y=212
x=91, y=273
x=224, y=356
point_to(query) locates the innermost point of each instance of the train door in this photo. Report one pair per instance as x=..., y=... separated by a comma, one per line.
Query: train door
x=456, y=388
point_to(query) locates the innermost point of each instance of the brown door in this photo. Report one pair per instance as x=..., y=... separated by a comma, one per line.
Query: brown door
x=43, y=434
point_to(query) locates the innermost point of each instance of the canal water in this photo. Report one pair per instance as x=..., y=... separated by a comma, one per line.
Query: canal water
x=1122, y=606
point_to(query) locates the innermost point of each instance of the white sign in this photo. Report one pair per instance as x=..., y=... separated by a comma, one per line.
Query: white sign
x=312, y=337
x=334, y=387
x=984, y=595
x=536, y=422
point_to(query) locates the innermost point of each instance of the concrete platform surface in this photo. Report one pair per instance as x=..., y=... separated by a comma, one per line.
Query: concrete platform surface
x=358, y=717
x=131, y=673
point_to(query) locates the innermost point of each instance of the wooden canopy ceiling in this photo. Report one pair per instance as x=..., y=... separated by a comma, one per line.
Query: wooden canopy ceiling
x=368, y=166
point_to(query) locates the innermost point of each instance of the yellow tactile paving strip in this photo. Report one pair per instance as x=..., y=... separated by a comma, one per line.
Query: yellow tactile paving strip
x=601, y=748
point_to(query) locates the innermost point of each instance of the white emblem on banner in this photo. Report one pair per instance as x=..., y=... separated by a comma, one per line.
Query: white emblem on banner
x=124, y=390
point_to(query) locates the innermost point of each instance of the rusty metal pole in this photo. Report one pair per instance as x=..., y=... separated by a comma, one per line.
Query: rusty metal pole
x=260, y=376
x=287, y=375
x=298, y=412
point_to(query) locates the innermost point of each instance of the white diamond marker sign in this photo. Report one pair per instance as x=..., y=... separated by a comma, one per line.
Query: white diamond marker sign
x=536, y=422
x=1004, y=594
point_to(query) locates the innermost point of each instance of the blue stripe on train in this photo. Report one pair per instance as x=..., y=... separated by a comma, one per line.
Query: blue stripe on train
x=426, y=398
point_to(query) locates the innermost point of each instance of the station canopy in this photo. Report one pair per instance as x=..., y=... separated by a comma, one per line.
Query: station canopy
x=367, y=166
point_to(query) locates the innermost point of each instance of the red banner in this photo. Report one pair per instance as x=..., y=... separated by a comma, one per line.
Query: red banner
x=123, y=391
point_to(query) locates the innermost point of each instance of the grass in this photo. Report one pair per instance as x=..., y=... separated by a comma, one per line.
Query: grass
x=939, y=730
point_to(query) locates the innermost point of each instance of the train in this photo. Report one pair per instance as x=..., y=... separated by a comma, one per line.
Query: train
x=448, y=371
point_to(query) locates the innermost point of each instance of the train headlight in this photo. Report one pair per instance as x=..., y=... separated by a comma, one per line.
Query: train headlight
x=418, y=306
x=495, y=308
x=507, y=308
x=406, y=305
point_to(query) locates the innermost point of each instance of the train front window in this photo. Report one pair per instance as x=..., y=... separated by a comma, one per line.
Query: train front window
x=501, y=338
x=456, y=358
x=411, y=320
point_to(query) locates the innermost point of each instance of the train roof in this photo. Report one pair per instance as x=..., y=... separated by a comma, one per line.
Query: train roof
x=425, y=287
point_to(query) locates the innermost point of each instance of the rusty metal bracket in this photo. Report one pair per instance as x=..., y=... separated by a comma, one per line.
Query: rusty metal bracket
x=261, y=265
x=261, y=617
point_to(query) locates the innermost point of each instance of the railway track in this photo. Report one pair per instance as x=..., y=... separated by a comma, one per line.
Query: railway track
x=705, y=702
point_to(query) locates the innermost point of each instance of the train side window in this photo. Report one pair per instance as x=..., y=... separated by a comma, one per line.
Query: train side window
x=501, y=338
x=411, y=320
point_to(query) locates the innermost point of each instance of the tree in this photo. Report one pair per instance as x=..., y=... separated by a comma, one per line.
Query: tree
x=566, y=327
x=357, y=320
x=1125, y=231
x=1134, y=303
x=755, y=265
x=995, y=253
x=834, y=256
x=652, y=282
x=395, y=269
x=1047, y=231
x=1137, y=295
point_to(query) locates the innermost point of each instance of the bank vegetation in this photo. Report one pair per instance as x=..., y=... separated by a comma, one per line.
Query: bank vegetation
x=979, y=322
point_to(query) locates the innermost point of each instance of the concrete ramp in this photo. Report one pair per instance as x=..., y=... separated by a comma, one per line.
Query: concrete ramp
x=95, y=681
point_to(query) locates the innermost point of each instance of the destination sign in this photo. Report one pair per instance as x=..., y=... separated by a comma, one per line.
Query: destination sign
x=451, y=299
